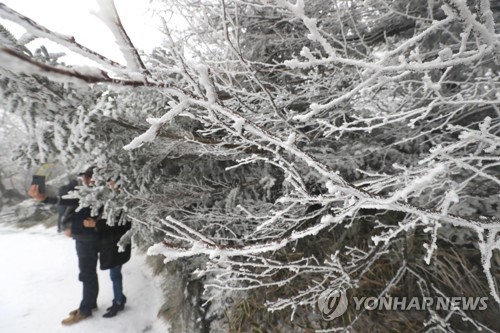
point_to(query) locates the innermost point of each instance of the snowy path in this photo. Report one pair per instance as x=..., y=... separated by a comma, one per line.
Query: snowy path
x=39, y=286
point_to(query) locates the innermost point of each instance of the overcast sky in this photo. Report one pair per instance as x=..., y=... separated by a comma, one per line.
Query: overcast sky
x=75, y=18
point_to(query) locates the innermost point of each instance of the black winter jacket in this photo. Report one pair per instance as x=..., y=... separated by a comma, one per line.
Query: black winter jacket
x=78, y=231
x=110, y=256
x=108, y=237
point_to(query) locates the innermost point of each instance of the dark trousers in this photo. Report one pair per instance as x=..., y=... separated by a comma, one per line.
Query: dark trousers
x=61, y=209
x=87, y=252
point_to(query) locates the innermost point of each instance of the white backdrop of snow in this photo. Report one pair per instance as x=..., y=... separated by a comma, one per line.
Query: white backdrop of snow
x=39, y=286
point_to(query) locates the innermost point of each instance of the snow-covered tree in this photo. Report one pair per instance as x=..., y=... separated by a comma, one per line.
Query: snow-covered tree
x=277, y=148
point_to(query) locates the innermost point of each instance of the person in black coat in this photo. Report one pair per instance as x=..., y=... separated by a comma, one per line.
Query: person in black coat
x=112, y=258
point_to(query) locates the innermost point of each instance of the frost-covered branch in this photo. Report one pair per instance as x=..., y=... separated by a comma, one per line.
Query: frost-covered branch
x=67, y=41
x=110, y=17
x=20, y=63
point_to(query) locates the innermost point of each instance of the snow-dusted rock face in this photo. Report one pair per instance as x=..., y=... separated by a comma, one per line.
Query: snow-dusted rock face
x=25, y=212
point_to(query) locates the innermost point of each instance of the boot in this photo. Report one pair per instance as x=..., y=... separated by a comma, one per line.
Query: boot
x=75, y=317
x=114, y=308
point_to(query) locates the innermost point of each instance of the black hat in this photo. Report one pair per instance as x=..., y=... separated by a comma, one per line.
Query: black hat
x=89, y=172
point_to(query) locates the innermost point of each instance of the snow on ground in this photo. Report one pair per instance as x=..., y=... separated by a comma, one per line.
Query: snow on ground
x=39, y=286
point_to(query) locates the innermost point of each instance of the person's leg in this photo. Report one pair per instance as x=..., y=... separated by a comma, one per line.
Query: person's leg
x=119, y=300
x=87, y=252
x=60, y=213
x=115, y=274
